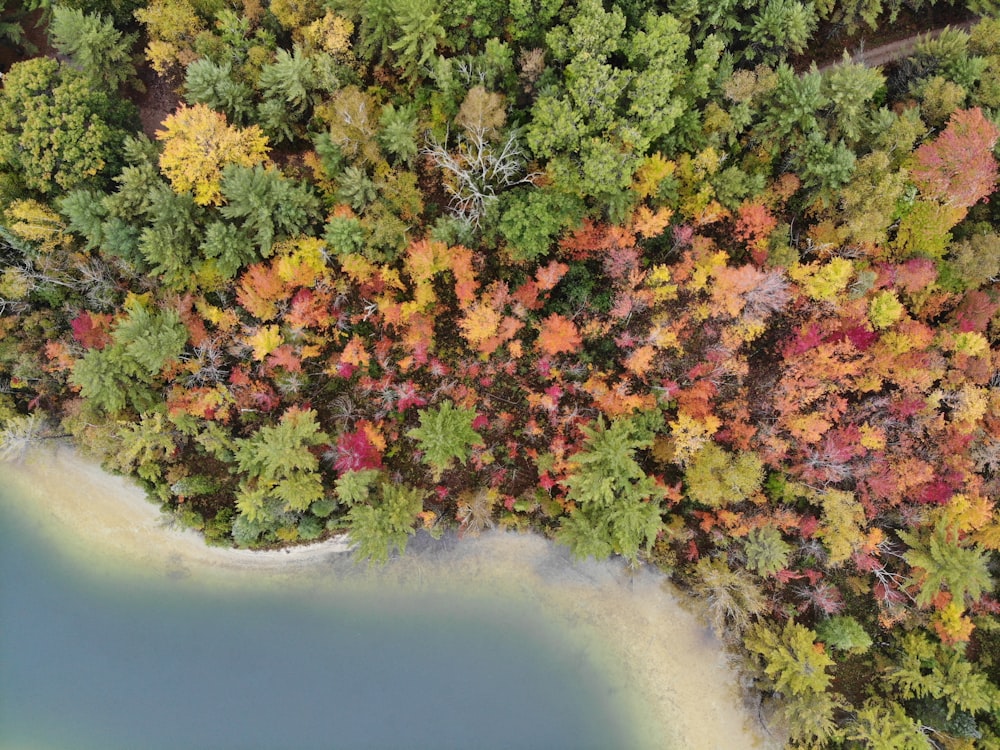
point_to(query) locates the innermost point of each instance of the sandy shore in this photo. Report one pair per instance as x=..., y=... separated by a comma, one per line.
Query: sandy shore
x=662, y=662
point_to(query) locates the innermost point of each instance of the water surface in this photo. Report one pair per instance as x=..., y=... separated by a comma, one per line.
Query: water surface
x=117, y=632
x=161, y=664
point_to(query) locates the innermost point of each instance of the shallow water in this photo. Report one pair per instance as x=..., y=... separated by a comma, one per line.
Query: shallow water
x=116, y=632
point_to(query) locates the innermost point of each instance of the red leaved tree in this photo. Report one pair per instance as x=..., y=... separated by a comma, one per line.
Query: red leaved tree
x=958, y=168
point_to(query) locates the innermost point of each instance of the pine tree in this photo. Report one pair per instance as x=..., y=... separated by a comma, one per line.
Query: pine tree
x=445, y=435
x=618, y=505
x=940, y=561
x=381, y=527
x=766, y=551
x=281, y=473
x=420, y=32
x=398, y=134
x=791, y=660
x=100, y=50
x=212, y=84
x=229, y=247
x=290, y=79
x=266, y=204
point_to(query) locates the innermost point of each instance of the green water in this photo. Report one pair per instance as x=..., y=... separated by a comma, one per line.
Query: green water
x=92, y=659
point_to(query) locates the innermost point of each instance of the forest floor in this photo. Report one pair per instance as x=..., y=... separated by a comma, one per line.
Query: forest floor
x=888, y=52
x=887, y=43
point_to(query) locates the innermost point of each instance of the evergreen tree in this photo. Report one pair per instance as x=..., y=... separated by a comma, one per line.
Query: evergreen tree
x=382, y=526
x=94, y=45
x=229, y=247
x=398, y=134
x=618, y=505
x=445, y=435
x=942, y=562
x=420, y=33
x=213, y=85
x=766, y=551
x=281, y=473
x=290, y=79
x=790, y=658
x=266, y=205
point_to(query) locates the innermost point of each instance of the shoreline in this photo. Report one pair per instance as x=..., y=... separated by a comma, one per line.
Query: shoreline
x=671, y=670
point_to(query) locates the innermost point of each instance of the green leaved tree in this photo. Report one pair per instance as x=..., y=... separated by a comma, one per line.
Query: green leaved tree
x=381, y=525
x=58, y=131
x=445, y=435
x=791, y=661
x=266, y=205
x=280, y=471
x=127, y=371
x=94, y=45
x=617, y=503
x=941, y=561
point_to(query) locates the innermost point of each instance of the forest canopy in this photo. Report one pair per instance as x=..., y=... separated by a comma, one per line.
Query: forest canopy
x=674, y=281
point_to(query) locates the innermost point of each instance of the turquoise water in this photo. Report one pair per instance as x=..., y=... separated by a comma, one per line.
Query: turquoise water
x=93, y=660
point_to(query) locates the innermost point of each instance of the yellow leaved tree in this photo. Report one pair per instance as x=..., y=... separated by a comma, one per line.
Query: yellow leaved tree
x=198, y=143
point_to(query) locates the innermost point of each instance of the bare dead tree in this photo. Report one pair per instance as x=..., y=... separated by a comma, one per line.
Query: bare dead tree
x=479, y=169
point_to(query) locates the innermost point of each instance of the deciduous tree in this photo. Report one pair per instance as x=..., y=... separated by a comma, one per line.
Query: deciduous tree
x=198, y=143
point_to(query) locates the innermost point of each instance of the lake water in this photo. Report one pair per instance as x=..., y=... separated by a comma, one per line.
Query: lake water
x=451, y=647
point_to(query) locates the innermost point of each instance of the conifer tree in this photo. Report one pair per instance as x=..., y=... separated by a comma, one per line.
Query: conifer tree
x=212, y=84
x=618, y=505
x=279, y=468
x=381, y=526
x=445, y=435
x=290, y=79
x=266, y=205
x=100, y=50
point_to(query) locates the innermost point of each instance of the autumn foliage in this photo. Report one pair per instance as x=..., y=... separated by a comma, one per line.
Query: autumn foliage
x=617, y=274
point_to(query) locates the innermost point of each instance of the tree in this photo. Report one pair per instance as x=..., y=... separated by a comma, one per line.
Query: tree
x=279, y=466
x=844, y=633
x=618, y=504
x=290, y=79
x=398, y=134
x=381, y=526
x=731, y=595
x=886, y=726
x=124, y=372
x=791, y=658
x=716, y=478
x=146, y=447
x=168, y=244
x=483, y=162
x=57, y=131
x=558, y=334
x=18, y=433
x=941, y=562
x=100, y=50
x=850, y=89
x=212, y=84
x=198, y=144
x=420, y=32
x=780, y=27
x=958, y=168
x=766, y=551
x=266, y=205
x=794, y=104
x=533, y=218
x=173, y=27
x=445, y=435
